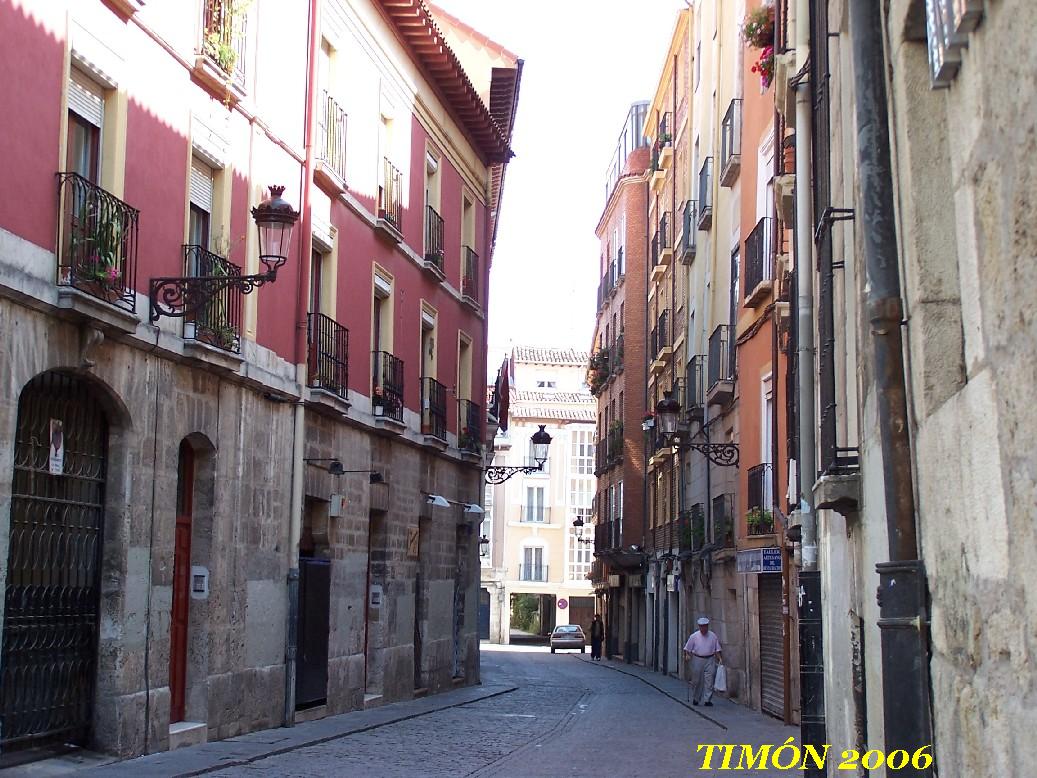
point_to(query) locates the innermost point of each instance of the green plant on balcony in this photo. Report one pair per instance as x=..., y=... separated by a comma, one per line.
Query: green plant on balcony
x=223, y=31
x=467, y=441
x=759, y=520
x=97, y=243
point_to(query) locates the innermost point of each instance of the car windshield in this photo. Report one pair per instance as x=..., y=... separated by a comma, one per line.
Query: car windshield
x=567, y=628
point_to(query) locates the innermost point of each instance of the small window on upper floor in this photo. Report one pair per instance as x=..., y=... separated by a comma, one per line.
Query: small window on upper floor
x=546, y=384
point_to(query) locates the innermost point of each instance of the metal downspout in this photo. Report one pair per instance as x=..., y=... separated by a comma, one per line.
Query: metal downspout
x=299, y=432
x=903, y=594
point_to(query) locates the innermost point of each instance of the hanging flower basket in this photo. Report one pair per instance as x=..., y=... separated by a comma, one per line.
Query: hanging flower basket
x=765, y=66
x=758, y=27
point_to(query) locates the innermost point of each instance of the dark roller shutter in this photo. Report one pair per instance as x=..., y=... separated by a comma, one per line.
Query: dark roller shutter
x=772, y=671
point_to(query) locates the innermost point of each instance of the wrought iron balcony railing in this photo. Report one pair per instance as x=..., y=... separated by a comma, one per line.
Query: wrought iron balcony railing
x=689, y=232
x=691, y=528
x=433, y=238
x=470, y=278
x=390, y=192
x=759, y=256
x=759, y=515
x=331, y=135
x=616, y=356
x=723, y=534
x=218, y=321
x=660, y=336
x=97, y=242
x=470, y=419
x=721, y=356
x=223, y=37
x=327, y=354
x=731, y=143
x=695, y=390
x=615, y=444
x=433, y=408
x=387, y=386
x=705, y=201
x=533, y=573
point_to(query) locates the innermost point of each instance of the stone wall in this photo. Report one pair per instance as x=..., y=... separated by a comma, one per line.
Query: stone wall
x=242, y=442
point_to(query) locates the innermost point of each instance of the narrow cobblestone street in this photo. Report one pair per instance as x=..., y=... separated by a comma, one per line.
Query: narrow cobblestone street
x=549, y=715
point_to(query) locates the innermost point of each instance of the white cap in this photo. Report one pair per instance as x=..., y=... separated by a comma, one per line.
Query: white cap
x=703, y=620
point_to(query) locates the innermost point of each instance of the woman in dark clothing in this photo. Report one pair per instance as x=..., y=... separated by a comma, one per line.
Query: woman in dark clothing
x=597, y=635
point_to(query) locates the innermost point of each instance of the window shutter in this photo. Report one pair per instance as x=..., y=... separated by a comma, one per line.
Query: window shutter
x=201, y=185
x=86, y=98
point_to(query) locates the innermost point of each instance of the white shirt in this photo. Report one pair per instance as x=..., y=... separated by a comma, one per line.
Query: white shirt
x=703, y=645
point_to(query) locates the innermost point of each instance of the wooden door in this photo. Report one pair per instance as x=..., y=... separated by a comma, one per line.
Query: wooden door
x=181, y=585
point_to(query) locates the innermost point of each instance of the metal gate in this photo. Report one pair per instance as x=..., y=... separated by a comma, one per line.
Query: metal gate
x=49, y=657
x=311, y=679
x=772, y=646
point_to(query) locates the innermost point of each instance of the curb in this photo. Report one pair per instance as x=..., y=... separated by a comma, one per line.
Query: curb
x=658, y=688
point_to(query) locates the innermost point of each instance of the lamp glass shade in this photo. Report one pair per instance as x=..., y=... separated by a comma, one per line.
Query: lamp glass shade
x=540, y=440
x=666, y=412
x=275, y=218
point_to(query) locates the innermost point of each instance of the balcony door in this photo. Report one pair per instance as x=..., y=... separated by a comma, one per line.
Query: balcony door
x=535, y=498
x=533, y=563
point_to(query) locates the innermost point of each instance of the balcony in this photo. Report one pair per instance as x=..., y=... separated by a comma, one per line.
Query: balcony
x=387, y=387
x=731, y=143
x=614, y=273
x=615, y=443
x=218, y=322
x=97, y=239
x=616, y=356
x=536, y=573
x=659, y=342
x=658, y=177
x=759, y=518
x=723, y=535
x=601, y=456
x=390, y=209
x=665, y=141
x=662, y=247
x=434, y=243
x=470, y=419
x=689, y=232
x=327, y=357
x=330, y=170
x=705, y=201
x=221, y=63
x=759, y=262
x=691, y=529
x=470, y=277
x=694, y=408
x=535, y=514
x=433, y=410
x=599, y=370
x=721, y=380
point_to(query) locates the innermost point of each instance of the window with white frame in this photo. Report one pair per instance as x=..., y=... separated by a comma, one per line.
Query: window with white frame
x=582, y=454
x=580, y=554
x=580, y=492
x=533, y=567
x=535, y=509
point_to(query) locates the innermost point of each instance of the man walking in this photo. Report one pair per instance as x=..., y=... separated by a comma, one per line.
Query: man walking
x=703, y=647
x=597, y=635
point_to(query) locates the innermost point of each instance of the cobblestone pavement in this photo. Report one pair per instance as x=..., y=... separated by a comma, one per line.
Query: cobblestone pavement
x=567, y=716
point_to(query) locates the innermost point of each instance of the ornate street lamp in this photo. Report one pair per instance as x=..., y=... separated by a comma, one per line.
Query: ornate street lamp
x=667, y=411
x=184, y=296
x=498, y=474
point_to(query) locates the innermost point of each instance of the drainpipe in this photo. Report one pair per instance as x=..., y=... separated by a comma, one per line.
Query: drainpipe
x=811, y=658
x=299, y=432
x=903, y=594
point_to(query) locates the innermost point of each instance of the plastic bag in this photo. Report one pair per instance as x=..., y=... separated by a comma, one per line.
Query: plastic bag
x=720, y=681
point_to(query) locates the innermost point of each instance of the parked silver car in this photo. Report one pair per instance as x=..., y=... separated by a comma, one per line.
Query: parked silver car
x=568, y=636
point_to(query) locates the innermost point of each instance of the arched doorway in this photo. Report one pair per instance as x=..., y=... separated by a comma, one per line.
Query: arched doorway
x=49, y=656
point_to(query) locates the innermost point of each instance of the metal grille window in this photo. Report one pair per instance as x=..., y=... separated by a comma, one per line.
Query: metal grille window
x=759, y=256
x=331, y=135
x=218, y=321
x=223, y=37
x=433, y=408
x=390, y=192
x=387, y=386
x=433, y=238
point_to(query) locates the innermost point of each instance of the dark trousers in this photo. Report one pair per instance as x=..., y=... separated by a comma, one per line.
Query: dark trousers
x=595, y=648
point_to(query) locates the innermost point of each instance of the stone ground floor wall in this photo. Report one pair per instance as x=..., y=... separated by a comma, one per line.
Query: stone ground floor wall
x=425, y=559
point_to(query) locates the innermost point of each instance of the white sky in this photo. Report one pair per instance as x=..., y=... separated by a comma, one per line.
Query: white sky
x=586, y=61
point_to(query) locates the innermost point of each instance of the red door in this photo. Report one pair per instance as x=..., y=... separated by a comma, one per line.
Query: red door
x=181, y=584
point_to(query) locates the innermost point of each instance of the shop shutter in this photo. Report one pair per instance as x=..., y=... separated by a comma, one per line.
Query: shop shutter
x=86, y=98
x=772, y=645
